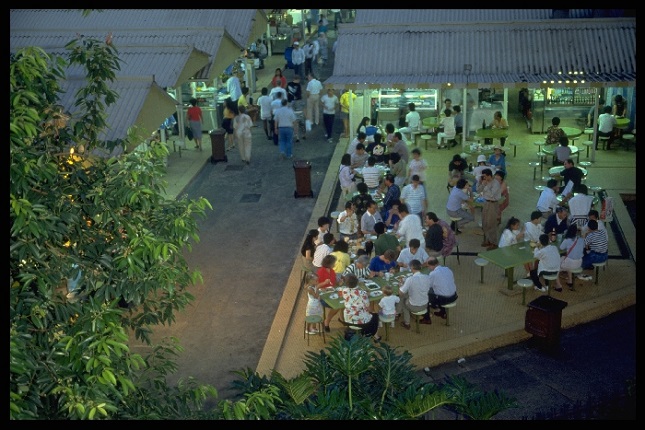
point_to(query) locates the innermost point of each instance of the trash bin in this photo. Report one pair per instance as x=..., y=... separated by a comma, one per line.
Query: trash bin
x=302, y=170
x=217, y=146
x=543, y=318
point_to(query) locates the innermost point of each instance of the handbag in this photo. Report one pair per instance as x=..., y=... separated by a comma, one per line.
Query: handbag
x=188, y=132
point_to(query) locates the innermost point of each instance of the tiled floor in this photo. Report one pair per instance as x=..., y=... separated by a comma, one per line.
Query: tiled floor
x=486, y=316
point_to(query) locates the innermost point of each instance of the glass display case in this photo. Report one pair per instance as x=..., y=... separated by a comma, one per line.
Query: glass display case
x=571, y=105
x=392, y=104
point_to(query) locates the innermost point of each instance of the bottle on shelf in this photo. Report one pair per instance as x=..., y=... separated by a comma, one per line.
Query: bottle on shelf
x=484, y=124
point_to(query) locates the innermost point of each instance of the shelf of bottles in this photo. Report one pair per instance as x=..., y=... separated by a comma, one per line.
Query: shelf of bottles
x=570, y=96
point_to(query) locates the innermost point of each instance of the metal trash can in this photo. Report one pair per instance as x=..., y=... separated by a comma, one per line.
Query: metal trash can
x=543, y=320
x=302, y=170
x=217, y=146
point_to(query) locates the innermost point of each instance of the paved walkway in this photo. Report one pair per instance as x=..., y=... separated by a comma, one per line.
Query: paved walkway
x=248, y=312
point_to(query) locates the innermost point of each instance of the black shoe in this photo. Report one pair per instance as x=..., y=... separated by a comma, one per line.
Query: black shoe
x=457, y=231
x=452, y=225
x=269, y=137
x=327, y=329
x=454, y=143
x=425, y=321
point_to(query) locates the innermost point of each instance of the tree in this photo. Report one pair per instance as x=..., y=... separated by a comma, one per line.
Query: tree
x=105, y=220
x=356, y=380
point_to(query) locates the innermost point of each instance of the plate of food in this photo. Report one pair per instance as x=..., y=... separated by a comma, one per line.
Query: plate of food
x=533, y=244
x=333, y=296
x=372, y=237
x=376, y=293
x=372, y=285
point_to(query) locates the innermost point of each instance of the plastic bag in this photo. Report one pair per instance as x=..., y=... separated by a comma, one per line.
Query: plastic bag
x=307, y=125
x=189, y=133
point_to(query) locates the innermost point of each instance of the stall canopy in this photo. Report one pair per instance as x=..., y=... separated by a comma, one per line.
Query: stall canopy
x=554, y=52
x=412, y=16
x=158, y=48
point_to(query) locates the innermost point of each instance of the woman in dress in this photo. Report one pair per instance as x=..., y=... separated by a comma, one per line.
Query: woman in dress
x=357, y=305
x=574, y=247
x=278, y=77
x=346, y=176
x=500, y=177
x=314, y=305
x=195, y=118
x=308, y=249
x=242, y=124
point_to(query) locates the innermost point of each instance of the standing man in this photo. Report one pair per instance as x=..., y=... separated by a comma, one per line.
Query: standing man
x=491, y=191
x=294, y=95
x=443, y=289
x=344, y=111
x=414, y=196
x=285, y=120
x=314, y=87
x=329, y=104
x=413, y=293
x=298, y=60
x=234, y=87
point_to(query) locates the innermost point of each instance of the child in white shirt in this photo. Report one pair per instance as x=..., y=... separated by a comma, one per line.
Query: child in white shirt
x=387, y=304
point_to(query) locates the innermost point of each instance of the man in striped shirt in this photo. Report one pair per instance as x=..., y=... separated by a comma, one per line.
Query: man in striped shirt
x=414, y=196
x=371, y=175
x=596, y=246
x=359, y=268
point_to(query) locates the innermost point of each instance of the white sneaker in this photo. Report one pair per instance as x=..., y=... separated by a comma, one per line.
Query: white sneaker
x=543, y=289
x=312, y=331
x=380, y=324
x=392, y=324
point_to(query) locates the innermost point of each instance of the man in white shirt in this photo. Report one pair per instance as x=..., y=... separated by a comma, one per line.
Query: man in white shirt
x=410, y=226
x=412, y=121
x=443, y=289
x=360, y=138
x=413, y=293
x=579, y=207
x=360, y=157
x=412, y=252
x=277, y=88
x=298, y=59
x=233, y=86
x=314, y=87
x=548, y=199
x=606, y=124
x=330, y=103
x=534, y=228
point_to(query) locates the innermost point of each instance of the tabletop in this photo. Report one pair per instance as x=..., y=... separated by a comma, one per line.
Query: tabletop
x=430, y=122
x=384, y=169
x=331, y=296
x=376, y=196
x=492, y=133
x=571, y=131
x=555, y=171
x=507, y=257
x=550, y=149
x=622, y=122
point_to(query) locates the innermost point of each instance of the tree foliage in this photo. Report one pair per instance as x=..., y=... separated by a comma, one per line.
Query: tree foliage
x=356, y=380
x=76, y=212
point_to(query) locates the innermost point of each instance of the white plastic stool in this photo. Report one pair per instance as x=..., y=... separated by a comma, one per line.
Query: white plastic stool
x=387, y=320
x=603, y=140
x=514, y=145
x=535, y=165
x=598, y=266
x=425, y=138
x=574, y=276
x=481, y=262
x=588, y=144
x=524, y=284
x=417, y=315
x=539, y=188
x=548, y=279
x=318, y=321
x=447, y=308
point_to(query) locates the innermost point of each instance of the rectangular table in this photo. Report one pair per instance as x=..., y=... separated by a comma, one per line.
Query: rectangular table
x=508, y=257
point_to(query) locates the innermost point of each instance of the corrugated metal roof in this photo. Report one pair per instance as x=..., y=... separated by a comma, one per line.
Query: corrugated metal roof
x=411, y=16
x=126, y=111
x=500, y=53
x=239, y=23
